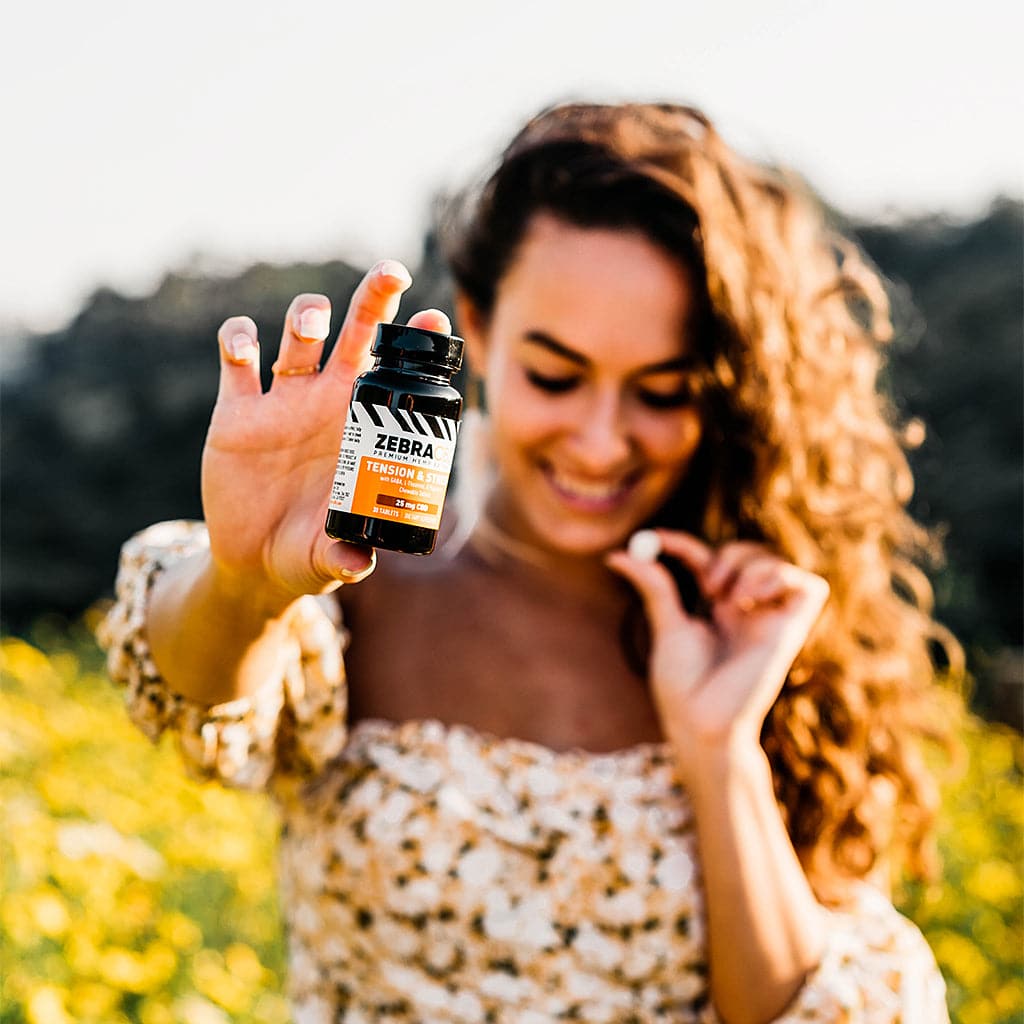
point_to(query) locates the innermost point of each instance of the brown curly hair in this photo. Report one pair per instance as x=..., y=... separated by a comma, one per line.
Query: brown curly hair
x=801, y=449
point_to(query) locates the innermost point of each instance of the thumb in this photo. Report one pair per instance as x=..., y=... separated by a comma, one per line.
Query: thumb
x=347, y=563
x=656, y=588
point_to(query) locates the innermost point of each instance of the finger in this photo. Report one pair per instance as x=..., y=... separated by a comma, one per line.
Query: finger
x=431, y=320
x=375, y=301
x=239, y=358
x=806, y=597
x=348, y=562
x=813, y=589
x=656, y=588
x=729, y=560
x=306, y=326
x=759, y=581
x=697, y=556
x=803, y=592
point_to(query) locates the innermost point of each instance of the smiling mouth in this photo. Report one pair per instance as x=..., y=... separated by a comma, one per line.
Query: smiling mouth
x=595, y=496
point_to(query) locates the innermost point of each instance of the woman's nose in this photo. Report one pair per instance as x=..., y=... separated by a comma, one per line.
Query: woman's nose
x=601, y=438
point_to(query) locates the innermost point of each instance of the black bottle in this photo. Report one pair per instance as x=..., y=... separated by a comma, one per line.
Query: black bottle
x=399, y=442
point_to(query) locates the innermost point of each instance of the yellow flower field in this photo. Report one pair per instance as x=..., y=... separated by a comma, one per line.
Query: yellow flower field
x=131, y=894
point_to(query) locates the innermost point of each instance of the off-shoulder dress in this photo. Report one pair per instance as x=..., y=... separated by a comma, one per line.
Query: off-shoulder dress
x=432, y=873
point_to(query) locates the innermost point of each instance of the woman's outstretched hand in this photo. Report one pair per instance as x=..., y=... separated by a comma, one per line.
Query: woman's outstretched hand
x=270, y=456
x=714, y=680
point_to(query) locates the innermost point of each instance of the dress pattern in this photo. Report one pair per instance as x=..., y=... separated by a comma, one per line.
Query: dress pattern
x=433, y=873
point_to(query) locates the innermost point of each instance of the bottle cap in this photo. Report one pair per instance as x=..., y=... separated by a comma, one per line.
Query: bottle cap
x=416, y=345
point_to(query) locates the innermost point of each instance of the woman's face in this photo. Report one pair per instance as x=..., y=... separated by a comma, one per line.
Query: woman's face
x=585, y=362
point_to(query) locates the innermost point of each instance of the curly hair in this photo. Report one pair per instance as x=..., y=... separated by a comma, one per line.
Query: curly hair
x=801, y=449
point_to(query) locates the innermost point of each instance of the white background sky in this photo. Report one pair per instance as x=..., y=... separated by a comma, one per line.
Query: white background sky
x=140, y=136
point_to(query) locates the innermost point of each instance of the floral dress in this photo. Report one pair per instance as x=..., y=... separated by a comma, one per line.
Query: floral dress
x=434, y=873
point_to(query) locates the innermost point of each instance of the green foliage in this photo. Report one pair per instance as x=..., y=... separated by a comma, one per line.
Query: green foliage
x=957, y=363
x=134, y=895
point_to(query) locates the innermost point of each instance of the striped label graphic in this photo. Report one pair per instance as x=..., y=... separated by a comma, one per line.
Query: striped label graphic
x=402, y=421
x=394, y=464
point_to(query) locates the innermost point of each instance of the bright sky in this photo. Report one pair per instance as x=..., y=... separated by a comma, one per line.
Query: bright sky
x=140, y=137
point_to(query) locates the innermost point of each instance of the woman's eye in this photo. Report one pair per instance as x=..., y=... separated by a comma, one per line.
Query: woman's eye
x=661, y=400
x=553, y=385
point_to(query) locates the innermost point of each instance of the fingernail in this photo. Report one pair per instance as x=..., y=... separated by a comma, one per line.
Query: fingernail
x=644, y=546
x=241, y=348
x=314, y=324
x=441, y=315
x=355, y=575
x=392, y=268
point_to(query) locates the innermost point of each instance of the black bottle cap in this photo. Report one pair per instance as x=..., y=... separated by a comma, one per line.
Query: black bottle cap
x=416, y=345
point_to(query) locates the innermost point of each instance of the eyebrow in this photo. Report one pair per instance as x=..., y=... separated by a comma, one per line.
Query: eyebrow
x=544, y=340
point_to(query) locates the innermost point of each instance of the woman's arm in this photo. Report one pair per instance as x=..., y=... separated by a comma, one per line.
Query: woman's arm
x=289, y=725
x=714, y=682
x=213, y=637
x=766, y=930
x=217, y=623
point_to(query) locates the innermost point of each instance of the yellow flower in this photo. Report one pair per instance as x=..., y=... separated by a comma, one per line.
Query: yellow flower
x=18, y=922
x=270, y=1008
x=180, y=931
x=82, y=949
x=994, y=882
x=93, y=1000
x=1009, y=998
x=998, y=754
x=26, y=664
x=977, y=1010
x=156, y=1012
x=138, y=972
x=49, y=913
x=45, y=1005
x=216, y=983
x=161, y=963
x=193, y=1009
x=243, y=964
x=961, y=959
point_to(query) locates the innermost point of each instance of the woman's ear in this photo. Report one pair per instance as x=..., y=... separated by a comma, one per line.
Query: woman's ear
x=472, y=327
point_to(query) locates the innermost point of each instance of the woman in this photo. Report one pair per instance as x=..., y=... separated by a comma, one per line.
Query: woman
x=524, y=798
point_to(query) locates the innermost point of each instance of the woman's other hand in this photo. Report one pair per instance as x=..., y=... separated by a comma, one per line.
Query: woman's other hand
x=714, y=680
x=270, y=456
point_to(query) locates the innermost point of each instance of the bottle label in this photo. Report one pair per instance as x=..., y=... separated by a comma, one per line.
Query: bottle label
x=394, y=464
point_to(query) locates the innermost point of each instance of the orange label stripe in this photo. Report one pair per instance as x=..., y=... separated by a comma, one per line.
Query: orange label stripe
x=405, y=494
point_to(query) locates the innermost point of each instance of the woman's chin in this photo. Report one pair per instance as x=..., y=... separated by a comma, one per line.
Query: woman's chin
x=575, y=526
x=590, y=522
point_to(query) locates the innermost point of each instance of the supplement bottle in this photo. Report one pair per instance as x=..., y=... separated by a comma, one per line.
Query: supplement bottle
x=399, y=441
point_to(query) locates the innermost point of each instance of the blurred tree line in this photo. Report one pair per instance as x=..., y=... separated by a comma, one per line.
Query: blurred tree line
x=103, y=422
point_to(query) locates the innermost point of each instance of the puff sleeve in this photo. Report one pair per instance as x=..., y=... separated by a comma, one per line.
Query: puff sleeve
x=288, y=729
x=876, y=969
